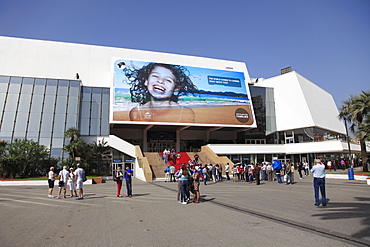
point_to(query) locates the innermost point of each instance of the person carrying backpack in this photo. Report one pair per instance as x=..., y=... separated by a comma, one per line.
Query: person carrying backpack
x=119, y=179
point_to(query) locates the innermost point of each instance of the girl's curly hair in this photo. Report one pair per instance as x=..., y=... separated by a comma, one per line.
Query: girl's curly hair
x=137, y=77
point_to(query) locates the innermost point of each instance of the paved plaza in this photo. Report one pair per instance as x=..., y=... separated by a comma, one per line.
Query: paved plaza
x=230, y=214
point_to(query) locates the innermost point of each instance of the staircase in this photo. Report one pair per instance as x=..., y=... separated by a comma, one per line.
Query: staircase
x=206, y=156
x=156, y=163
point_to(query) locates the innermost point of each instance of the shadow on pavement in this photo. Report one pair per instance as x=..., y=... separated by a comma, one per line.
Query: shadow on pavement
x=337, y=210
x=146, y=194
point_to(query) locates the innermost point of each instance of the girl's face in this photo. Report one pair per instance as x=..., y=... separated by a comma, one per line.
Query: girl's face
x=161, y=83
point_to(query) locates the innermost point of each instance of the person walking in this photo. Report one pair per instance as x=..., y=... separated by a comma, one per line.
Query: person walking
x=250, y=174
x=165, y=156
x=306, y=167
x=214, y=170
x=172, y=173
x=128, y=178
x=219, y=169
x=277, y=166
x=173, y=156
x=269, y=172
x=343, y=164
x=258, y=173
x=318, y=171
x=329, y=164
x=300, y=168
x=235, y=171
x=205, y=175
x=167, y=175
x=292, y=171
x=264, y=171
x=119, y=175
x=288, y=172
x=227, y=169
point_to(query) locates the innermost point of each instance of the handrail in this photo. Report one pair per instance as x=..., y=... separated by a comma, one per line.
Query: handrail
x=144, y=164
x=213, y=158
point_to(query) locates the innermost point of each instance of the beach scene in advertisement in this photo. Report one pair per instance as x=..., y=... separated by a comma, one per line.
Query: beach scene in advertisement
x=210, y=96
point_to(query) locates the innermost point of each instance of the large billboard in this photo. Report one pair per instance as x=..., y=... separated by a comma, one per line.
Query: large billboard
x=158, y=93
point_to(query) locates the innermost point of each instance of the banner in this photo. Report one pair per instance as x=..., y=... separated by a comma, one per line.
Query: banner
x=157, y=93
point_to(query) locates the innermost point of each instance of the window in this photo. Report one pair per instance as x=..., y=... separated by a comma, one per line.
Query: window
x=11, y=102
x=21, y=123
x=4, y=80
x=49, y=104
x=24, y=103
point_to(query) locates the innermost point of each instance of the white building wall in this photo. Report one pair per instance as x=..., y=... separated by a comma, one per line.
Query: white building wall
x=321, y=105
x=334, y=146
x=299, y=103
x=50, y=59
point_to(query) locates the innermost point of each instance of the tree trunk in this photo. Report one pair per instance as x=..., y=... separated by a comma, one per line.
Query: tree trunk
x=364, y=156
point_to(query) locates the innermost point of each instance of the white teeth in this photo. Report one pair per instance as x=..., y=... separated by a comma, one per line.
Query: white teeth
x=159, y=88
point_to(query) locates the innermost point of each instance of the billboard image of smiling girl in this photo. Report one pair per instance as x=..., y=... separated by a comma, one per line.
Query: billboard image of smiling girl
x=157, y=87
x=165, y=93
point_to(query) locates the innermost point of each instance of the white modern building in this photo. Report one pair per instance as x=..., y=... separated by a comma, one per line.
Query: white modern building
x=47, y=87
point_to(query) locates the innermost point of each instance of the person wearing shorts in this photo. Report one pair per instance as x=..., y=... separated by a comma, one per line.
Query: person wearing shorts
x=79, y=174
x=71, y=183
x=51, y=180
x=63, y=178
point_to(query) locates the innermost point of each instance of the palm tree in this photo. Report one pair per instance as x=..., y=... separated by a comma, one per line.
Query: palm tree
x=75, y=142
x=356, y=112
x=102, y=153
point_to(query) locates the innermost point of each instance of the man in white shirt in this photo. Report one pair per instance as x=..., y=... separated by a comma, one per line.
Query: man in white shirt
x=264, y=172
x=172, y=173
x=318, y=171
x=269, y=172
x=227, y=169
x=79, y=175
x=63, y=178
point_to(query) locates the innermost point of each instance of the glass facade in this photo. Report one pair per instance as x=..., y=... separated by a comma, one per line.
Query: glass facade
x=94, y=118
x=43, y=109
x=264, y=110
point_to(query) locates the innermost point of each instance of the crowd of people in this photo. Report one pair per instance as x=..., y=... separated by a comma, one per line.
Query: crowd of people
x=170, y=156
x=191, y=175
x=73, y=179
x=252, y=173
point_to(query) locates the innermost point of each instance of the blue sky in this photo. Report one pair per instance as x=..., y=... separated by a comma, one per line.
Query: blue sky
x=326, y=41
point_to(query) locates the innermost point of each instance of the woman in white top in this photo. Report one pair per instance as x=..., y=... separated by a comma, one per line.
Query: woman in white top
x=71, y=183
x=306, y=168
x=51, y=180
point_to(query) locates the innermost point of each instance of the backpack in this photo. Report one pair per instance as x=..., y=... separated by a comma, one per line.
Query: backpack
x=84, y=179
x=115, y=178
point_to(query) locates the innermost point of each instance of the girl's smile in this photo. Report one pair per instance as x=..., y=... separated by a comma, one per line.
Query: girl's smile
x=161, y=83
